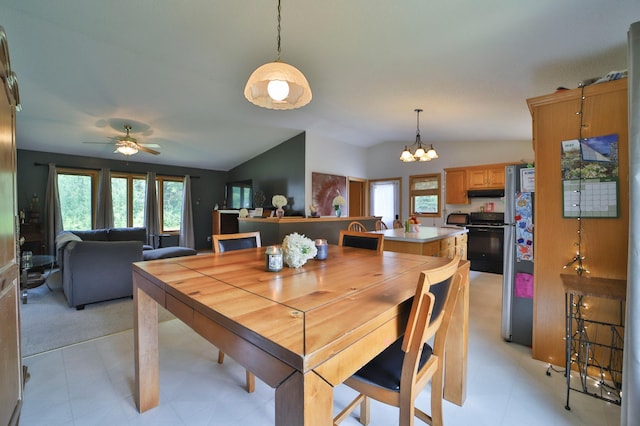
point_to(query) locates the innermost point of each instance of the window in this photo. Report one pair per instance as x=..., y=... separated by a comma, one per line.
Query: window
x=128, y=195
x=78, y=194
x=384, y=199
x=77, y=191
x=170, y=198
x=424, y=192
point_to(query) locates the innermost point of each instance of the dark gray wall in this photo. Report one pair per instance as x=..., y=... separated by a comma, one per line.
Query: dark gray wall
x=206, y=190
x=277, y=171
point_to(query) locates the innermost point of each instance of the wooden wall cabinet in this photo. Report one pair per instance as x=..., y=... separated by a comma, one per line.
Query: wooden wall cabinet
x=459, y=180
x=604, y=241
x=486, y=177
x=456, y=186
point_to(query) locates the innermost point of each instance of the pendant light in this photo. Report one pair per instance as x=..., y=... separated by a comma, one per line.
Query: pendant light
x=417, y=151
x=277, y=85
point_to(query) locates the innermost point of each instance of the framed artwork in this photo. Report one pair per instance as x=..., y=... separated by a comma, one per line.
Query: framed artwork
x=324, y=188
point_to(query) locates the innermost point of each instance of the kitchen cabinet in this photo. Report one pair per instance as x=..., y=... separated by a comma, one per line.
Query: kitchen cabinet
x=486, y=177
x=456, y=186
x=604, y=241
x=458, y=180
x=11, y=395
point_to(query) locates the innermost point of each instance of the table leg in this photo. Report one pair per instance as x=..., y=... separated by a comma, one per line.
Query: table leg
x=145, y=329
x=456, y=349
x=305, y=400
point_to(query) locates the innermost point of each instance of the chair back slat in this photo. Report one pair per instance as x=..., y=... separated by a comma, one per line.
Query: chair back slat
x=238, y=241
x=362, y=240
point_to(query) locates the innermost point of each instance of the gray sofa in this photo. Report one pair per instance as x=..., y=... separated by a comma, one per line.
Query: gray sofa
x=96, y=264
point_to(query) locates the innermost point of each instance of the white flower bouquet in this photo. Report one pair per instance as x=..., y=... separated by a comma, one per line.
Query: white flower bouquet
x=297, y=249
x=338, y=201
x=279, y=201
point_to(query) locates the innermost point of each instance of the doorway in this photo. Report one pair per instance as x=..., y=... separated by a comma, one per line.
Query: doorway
x=357, y=196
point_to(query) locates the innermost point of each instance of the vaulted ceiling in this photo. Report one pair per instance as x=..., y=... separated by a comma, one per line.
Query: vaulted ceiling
x=175, y=70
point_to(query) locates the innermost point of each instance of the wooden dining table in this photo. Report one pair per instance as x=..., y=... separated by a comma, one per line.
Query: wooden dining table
x=301, y=331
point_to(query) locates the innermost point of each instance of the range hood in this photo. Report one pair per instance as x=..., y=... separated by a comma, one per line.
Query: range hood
x=485, y=193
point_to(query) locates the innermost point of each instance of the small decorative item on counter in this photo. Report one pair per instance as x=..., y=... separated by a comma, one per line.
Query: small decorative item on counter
x=297, y=249
x=412, y=224
x=273, y=259
x=322, y=248
x=243, y=213
x=338, y=202
x=279, y=201
x=313, y=211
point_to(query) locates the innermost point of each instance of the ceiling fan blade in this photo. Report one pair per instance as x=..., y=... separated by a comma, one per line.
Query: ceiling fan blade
x=148, y=150
x=149, y=145
x=100, y=143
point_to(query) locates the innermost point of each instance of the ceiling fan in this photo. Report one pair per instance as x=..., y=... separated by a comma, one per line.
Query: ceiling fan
x=128, y=145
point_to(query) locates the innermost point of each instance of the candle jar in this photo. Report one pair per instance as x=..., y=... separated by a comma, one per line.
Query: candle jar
x=323, y=249
x=273, y=259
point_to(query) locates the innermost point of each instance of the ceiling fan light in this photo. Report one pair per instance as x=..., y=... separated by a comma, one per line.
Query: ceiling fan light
x=127, y=150
x=257, y=90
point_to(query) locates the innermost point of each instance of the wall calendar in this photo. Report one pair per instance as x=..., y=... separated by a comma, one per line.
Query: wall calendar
x=590, y=177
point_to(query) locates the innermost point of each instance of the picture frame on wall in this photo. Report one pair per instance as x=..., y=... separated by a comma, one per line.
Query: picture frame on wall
x=324, y=188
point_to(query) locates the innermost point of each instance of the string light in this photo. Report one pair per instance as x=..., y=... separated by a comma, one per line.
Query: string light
x=578, y=259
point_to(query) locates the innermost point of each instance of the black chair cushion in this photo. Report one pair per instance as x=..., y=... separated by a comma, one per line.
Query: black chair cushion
x=360, y=242
x=385, y=369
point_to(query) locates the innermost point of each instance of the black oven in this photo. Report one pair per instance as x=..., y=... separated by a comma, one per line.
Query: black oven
x=486, y=242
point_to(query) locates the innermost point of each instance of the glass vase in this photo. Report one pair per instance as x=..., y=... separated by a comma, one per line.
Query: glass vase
x=338, y=211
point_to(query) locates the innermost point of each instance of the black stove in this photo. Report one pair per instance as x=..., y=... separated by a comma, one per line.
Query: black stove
x=486, y=219
x=486, y=241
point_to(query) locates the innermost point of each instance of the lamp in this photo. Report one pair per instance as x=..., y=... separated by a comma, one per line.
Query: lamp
x=127, y=145
x=419, y=153
x=277, y=85
x=127, y=149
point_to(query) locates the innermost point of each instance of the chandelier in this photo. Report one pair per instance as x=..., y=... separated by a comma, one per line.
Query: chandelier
x=277, y=85
x=417, y=151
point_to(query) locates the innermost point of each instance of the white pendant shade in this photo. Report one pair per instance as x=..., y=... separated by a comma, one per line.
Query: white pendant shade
x=257, y=89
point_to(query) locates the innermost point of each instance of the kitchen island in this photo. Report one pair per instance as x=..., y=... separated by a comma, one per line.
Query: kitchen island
x=273, y=230
x=428, y=241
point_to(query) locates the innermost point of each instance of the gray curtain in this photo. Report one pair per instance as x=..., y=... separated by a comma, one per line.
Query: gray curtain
x=630, y=414
x=52, y=212
x=186, y=222
x=104, y=210
x=151, y=210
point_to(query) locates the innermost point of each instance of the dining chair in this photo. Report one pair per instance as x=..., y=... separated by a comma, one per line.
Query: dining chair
x=229, y=242
x=397, y=224
x=363, y=240
x=239, y=241
x=356, y=226
x=380, y=225
x=399, y=373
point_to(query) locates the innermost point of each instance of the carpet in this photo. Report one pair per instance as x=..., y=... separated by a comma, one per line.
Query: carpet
x=47, y=321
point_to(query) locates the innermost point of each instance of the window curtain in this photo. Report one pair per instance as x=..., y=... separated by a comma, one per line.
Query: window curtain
x=630, y=414
x=151, y=211
x=104, y=210
x=52, y=212
x=384, y=200
x=186, y=222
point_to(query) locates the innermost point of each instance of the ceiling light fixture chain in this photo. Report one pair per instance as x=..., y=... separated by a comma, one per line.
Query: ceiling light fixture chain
x=417, y=152
x=279, y=28
x=579, y=257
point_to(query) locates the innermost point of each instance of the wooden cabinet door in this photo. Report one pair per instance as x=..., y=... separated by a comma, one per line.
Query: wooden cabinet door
x=495, y=178
x=456, y=186
x=477, y=178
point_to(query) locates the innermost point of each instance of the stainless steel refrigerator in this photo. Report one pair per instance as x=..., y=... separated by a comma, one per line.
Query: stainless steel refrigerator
x=517, y=289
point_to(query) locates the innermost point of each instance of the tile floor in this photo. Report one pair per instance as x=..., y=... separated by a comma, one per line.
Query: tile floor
x=92, y=383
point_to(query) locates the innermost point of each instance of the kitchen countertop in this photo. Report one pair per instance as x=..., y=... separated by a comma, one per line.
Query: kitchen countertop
x=426, y=234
